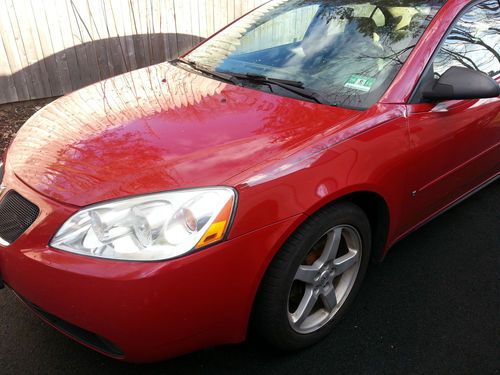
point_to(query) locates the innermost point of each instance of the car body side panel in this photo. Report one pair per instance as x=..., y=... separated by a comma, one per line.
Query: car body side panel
x=373, y=160
x=455, y=147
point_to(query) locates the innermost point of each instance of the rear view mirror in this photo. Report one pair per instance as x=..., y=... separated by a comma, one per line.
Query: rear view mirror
x=462, y=83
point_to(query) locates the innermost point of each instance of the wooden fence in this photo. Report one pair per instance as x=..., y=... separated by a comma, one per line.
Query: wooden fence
x=52, y=47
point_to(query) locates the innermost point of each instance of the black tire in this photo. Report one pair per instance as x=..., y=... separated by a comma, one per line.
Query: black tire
x=270, y=315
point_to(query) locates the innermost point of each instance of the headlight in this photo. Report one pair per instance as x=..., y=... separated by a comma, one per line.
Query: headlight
x=151, y=227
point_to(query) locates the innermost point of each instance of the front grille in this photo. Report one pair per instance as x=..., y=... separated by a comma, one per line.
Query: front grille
x=16, y=216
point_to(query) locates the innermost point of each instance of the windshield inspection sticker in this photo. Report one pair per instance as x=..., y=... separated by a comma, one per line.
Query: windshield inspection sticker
x=361, y=83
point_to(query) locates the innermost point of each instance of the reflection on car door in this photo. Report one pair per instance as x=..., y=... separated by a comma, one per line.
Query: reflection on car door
x=456, y=144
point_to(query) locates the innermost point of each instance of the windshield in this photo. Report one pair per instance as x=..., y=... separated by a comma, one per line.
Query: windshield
x=347, y=51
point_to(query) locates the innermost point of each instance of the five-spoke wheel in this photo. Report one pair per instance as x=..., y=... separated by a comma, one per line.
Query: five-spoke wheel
x=324, y=279
x=314, y=277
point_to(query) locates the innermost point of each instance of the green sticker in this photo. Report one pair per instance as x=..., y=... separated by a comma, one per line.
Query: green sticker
x=359, y=82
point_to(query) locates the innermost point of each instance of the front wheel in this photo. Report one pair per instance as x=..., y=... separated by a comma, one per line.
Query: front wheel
x=314, y=277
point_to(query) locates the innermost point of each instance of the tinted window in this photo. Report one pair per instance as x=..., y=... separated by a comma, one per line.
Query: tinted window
x=348, y=51
x=474, y=42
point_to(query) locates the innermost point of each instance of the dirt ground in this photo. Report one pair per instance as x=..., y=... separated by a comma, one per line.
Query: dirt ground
x=14, y=115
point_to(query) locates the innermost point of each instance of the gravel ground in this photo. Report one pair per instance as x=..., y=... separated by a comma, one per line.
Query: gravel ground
x=13, y=116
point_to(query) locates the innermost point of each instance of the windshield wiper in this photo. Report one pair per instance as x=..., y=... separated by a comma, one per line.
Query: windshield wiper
x=296, y=87
x=199, y=68
x=259, y=77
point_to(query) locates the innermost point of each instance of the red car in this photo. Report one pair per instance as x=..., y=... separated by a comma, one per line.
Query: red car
x=250, y=182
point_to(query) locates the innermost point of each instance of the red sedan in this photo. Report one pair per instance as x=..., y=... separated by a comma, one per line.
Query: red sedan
x=250, y=182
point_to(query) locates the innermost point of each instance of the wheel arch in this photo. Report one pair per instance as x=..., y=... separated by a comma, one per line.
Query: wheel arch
x=375, y=207
x=377, y=211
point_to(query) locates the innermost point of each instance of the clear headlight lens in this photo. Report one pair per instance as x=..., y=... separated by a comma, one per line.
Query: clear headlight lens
x=152, y=227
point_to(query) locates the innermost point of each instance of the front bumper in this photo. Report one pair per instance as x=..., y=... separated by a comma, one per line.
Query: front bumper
x=147, y=311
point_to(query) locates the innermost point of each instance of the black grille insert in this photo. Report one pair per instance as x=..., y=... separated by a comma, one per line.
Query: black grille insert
x=16, y=216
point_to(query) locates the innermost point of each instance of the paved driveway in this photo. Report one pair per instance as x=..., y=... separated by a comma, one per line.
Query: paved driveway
x=432, y=307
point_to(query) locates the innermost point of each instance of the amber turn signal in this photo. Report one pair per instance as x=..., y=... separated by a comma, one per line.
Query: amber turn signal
x=218, y=228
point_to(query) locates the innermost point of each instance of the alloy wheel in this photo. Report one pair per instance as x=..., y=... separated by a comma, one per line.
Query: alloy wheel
x=325, y=278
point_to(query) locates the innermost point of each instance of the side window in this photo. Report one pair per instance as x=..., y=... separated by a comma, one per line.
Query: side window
x=474, y=41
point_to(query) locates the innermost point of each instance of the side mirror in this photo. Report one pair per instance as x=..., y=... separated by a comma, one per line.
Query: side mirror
x=459, y=83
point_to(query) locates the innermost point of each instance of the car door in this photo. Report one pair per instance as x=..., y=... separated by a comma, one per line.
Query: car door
x=455, y=144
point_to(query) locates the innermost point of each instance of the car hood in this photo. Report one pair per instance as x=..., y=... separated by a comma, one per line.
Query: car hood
x=159, y=128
